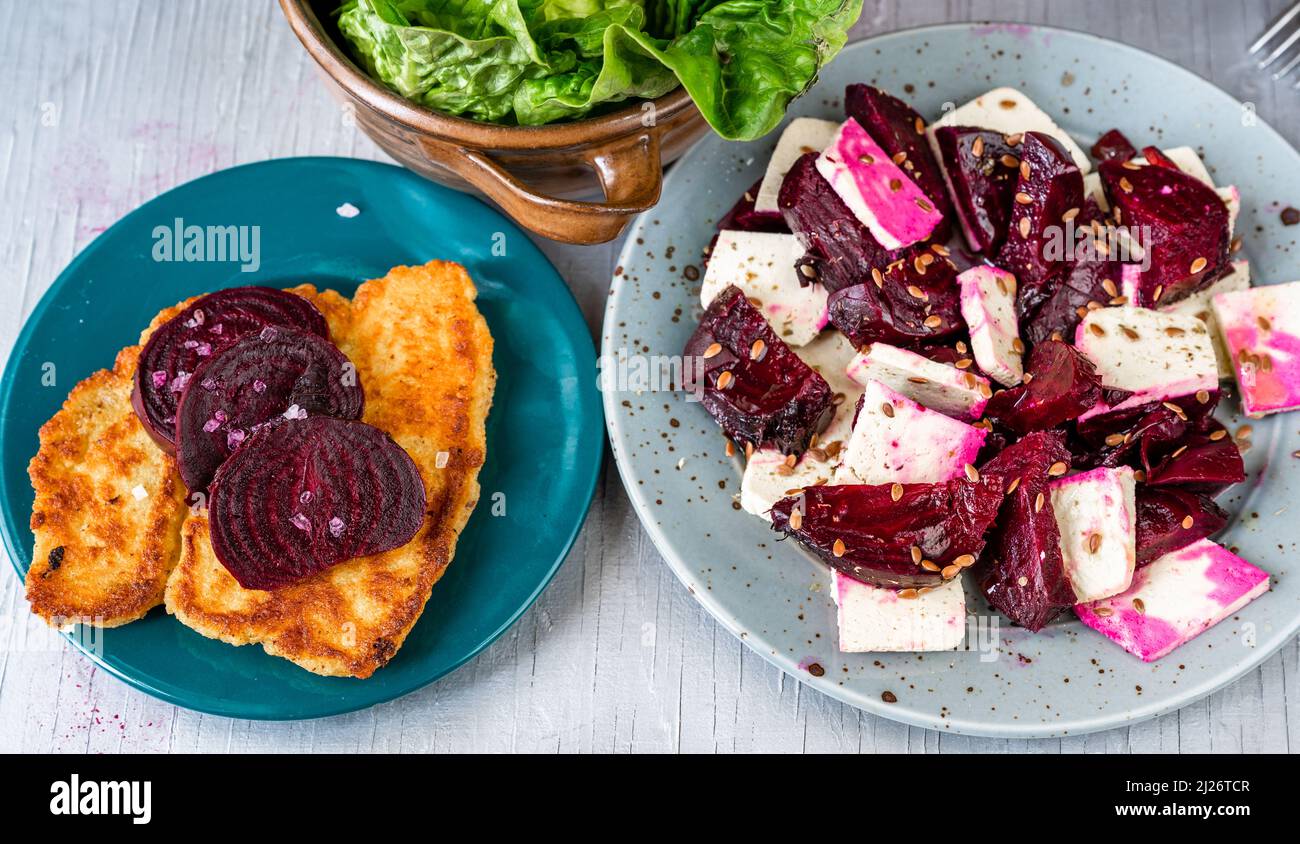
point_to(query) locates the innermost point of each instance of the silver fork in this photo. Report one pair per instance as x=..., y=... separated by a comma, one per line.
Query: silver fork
x=1288, y=21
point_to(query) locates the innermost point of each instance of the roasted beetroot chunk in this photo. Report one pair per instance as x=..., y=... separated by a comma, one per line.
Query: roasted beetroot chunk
x=1113, y=145
x=1187, y=223
x=1024, y=574
x=262, y=376
x=1149, y=434
x=1053, y=189
x=982, y=170
x=1089, y=278
x=211, y=323
x=1061, y=384
x=758, y=390
x=1194, y=414
x=897, y=128
x=1169, y=518
x=875, y=535
x=841, y=249
x=1200, y=464
x=743, y=217
x=303, y=495
x=893, y=312
x=1066, y=299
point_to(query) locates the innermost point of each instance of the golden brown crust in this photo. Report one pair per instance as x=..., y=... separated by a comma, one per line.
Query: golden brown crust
x=108, y=508
x=424, y=357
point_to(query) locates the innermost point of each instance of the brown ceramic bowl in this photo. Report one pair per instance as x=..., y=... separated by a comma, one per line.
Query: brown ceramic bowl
x=535, y=173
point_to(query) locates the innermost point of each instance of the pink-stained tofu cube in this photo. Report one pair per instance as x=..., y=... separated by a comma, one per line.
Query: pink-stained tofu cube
x=947, y=389
x=1175, y=599
x=873, y=619
x=876, y=190
x=1097, y=516
x=1155, y=355
x=988, y=304
x=1261, y=329
x=896, y=440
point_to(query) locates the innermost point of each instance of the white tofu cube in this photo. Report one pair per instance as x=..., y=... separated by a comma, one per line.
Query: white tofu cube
x=1201, y=306
x=988, y=304
x=1175, y=599
x=768, y=478
x=896, y=440
x=872, y=619
x=1153, y=354
x=1092, y=188
x=951, y=391
x=1010, y=112
x=1261, y=330
x=762, y=265
x=1097, y=515
x=803, y=135
x=878, y=192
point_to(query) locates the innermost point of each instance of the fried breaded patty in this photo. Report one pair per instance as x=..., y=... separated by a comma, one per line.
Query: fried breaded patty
x=108, y=508
x=424, y=358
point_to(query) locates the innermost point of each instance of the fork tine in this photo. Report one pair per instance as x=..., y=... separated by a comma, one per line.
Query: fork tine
x=1288, y=67
x=1281, y=48
x=1276, y=28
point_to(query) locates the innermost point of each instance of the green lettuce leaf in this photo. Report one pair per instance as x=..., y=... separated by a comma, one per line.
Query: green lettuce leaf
x=743, y=61
x=538, y=61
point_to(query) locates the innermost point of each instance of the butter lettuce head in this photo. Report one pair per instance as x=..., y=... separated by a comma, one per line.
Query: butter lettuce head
x=537, y=61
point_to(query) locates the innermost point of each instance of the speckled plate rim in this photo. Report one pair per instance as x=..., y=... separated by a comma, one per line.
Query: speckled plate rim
x=900, y=712
x=590, y=462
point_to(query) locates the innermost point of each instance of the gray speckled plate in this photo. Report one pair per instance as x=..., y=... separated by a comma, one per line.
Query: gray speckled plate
x=1067, y=679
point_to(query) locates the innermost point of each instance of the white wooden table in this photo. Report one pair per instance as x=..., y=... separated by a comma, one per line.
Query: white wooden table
x=106, y=105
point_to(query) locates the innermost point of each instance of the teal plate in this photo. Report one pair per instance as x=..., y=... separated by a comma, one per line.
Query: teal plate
x=544, y=434
x=1067, y=679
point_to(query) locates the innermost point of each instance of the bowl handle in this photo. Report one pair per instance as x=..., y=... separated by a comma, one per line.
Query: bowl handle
x=630, y=174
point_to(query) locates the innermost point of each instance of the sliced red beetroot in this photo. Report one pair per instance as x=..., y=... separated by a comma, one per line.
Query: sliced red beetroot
x=1201, y=463
x=1113, y=145
x=1049, y=188
x=749, y=380
x=1067, y=297
x=913, y=304
x=982, y=170
x=1185, y=225
x=1088, y=280
x=899, y=131
x=1024, y=574
x=276, y=372
x=840, y=248
x=1145, y=435
x=303, y=495
x=1133, y=443
x=743, y=217
x=1191, y=410
x=212, y=323
x=869, y=535
x=1060, y=385
x=1169, y=518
